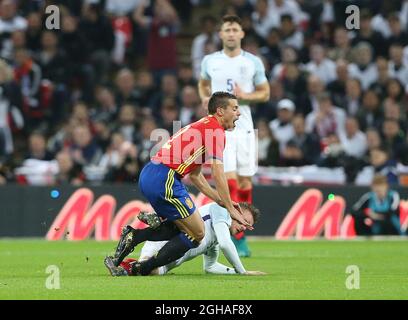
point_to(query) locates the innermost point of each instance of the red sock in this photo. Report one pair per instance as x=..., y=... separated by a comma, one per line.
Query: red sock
x=245, y=195
x=233, y=189
x=239, y=235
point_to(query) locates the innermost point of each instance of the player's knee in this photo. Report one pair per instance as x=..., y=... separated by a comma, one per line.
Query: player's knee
x=199, y=235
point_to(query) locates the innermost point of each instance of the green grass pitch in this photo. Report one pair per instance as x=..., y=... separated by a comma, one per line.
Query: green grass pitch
x=296, y=270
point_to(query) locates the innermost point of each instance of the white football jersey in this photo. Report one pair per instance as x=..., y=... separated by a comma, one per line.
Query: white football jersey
x=246, y=70
x=212, y=214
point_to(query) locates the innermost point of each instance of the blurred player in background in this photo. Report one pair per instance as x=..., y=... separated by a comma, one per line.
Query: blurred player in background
x=377, y=211
x=243, y=74
x=160, y=182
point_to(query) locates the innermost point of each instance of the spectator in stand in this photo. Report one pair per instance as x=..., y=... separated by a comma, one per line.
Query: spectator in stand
x=366, y=33
x=268, y=146
x=169, y=89
x=10, y=21
x=267, y=110
x=69, y=172
x=271, y=50
x=62, y=139
x=327, y=120
x=337, y=88
x=106, y=107
x=52, y=61
x=308, y=102
x=370, y=113
x=79, y=73
x=395, y=91
x=185, y=75
x=169, y=114
x=33, y=31
x=118, y=157
x=127, y=122
x=290, y=36
x=321, y=66
x=364, y=69
x=10, y=114
x=342, y=45
x=353, y=140
x=398, y=35
x=352, y=100
x=37, y=145
x=303, y=148
x=394, y=111
x=125, y=88
x=102, y=134
x=396, y=67
x=279, y=8
x=84, y=151
x=27, y=75
x=281, y=127
x=374, y=140
x=189, y=102
x=146, y=140
x=98, y=32
x=18, y=41
x=145, y=88
x=380, y=86
x=294, y=81
x=377, y=211
x=393, y=138
x=208, y=34
x=80, y=113
x=163, y=26
x=384, y=165
x=261, y=19
x=288, y=55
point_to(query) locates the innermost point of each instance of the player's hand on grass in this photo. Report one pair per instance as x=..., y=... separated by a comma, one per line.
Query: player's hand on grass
x=255, y=273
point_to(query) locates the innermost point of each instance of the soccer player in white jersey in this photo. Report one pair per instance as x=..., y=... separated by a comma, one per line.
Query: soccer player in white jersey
x=218, y=228
x=242, y=73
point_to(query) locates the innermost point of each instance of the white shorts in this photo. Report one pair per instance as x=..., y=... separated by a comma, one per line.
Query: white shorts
x=240, y=152
x=150, y=248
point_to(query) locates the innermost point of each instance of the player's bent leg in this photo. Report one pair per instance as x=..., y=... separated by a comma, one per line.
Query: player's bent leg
x=192, y=232
x=131, y=237
x=193, y=225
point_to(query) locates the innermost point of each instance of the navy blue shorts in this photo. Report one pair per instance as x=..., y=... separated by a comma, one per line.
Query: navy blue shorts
x=165, y=191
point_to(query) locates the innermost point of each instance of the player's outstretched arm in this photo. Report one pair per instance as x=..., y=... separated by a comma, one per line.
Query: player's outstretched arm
x=227, y=247
x=198, y=179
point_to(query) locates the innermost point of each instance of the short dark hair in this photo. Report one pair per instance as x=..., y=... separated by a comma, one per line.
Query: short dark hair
x=219, y=99
x=231, y=18
x=256, y=213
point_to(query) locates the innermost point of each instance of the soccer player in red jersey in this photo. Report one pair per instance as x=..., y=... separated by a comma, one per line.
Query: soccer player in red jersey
x=160, y=182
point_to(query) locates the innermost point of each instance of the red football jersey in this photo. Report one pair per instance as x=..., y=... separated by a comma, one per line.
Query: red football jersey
x=193, y=145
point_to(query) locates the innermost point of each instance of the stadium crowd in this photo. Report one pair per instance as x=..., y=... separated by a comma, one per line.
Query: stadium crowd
x=79, y=104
